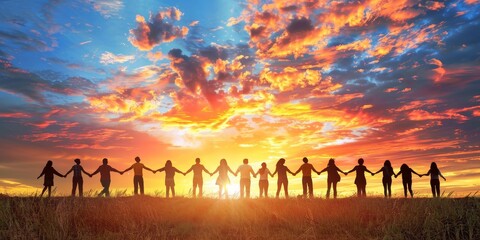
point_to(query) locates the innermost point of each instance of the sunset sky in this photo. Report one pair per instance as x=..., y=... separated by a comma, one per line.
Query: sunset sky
x=262, y=80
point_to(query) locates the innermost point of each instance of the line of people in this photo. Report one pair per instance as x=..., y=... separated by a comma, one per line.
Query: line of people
x=246, y=171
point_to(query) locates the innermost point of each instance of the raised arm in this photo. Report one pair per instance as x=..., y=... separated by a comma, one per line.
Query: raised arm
x=415, y=172
x=381, y=169
x=324, y=170
x=115, y=170
x=205, y=170
x=288, y=170
x=128, y=169
x=338, y=170
x=146, y=168
x=351, y=170
x=216, y=170
x=41, y=174
x=96, y=171
x=189, y=170
x=160, y=169
x=439, y=173
x=69, y=171
x=178, y=171
x=296, y=172
x=57, y=173
x=313, y=169
x=426, y=174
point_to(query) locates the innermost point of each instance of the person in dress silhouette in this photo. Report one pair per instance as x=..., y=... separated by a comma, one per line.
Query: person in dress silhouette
x=406, y=172
x=245, y=171
x=198, y=170
x=435, y=175
x=77, y=179
x=263, y=182
x=307, y=182
x=169, y=177
x=48, y=172
x=222, y=181
x=105, y=179
x=333, y=177
x=138, y=175
x=387, y=178
x=282, y=170
x=360, y=179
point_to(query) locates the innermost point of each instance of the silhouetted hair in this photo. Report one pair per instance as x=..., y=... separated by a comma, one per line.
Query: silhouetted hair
x=331, y=162
x=105, y=161
x=197, y=160
x=280, y=162
x=137, y=159
x=360, y=161
x=168, y=164
x=434, y=168
x=245, y=161
x=263, y=168
x=404, y=168
x=388, y=166
x=305, y=159
x=49, y=164
x=223, y=162
x=77, y=160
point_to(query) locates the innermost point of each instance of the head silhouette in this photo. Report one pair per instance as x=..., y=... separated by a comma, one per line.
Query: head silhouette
x=388, y=165
x=49, y=163
x=434, y=168
x=137, y=159
x=105, y=161
x=305, y=160
x=264, y=165
x=280, y=162
x=223, y=162
x=245, y=161
x=77, y=160
x=360, y=161
x=331, y=162
x=404, y=168
x=168, y=164
x=197, y=160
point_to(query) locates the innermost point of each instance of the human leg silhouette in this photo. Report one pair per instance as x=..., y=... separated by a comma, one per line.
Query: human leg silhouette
x=329, y=184
x=405, y=188
x=335, y=189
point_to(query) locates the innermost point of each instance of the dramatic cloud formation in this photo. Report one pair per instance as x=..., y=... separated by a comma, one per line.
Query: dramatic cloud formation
x=380, y=80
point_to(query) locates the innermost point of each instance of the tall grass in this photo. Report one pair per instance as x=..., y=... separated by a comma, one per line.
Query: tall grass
x=184, y=218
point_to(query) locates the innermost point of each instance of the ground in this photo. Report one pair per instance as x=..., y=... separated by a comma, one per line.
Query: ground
x=185, y=218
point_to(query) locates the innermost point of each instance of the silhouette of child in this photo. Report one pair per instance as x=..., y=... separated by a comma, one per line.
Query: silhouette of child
x=222, y=181
x=407, y=178
x=333, y=177
x=169, y=177
x=360, y=179
x=48, y=171
x=387, y=178
x=282, y=170
x=435, y=175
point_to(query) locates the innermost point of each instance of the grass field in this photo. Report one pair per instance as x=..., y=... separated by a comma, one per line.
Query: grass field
x=184, y=218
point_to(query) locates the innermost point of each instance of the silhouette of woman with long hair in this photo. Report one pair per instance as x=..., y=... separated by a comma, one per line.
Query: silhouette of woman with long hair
x=387, y=178
x=48, y=171
x=169, y=177
x=435, y=175
x=263, y=182
x=77, y=179
x=360, y=179
x=406, y=172
x=333, y=177
x=282, y=170
x=222, y=181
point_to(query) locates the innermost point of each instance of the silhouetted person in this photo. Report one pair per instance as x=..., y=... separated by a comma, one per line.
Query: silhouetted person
x=407, y=178
x=360, y=179
x=223, y=180
x=77, y=179
x=307, y=182
x=169, y=177
x=138, y=175
x=435, y=175
x=263, y=182
x=48, y=171
x=104, y=171
x=245, y=182
x=387, y=178
x=282, y=170
x=198, y=170
x=333, y=177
